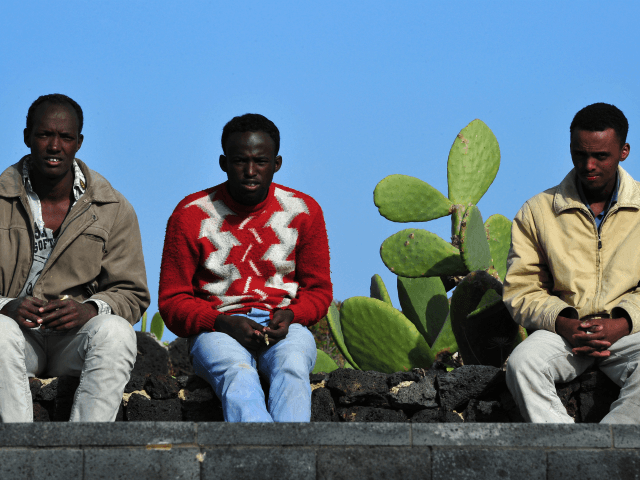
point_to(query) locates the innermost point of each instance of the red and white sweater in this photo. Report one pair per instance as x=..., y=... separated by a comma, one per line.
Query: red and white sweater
x=223, y=257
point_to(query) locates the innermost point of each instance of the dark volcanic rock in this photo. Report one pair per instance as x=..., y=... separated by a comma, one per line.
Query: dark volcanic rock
x=65, y=394
x=459, y=386
x=318, y=377
x=152, y=357
x=48, y=392
x=428, y=415
x=597, y=393
x=568, y=394
x=40, y=412
x=370, y=414
x=485, y=411
x=141, y=409
x=323, y=408
x=450, y=417
x=347, y=382
x=180, y=364
x=394, y=379
x=414, y=397
x=161, y=387
x=135, y=383
x=509, y=405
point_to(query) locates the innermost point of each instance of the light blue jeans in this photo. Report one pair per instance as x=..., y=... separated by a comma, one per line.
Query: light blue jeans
x=232, y=371
x=545, y=358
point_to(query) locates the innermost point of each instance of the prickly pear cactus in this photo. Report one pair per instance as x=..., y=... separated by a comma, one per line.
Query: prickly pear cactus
x=484, y=330
x=379, y=290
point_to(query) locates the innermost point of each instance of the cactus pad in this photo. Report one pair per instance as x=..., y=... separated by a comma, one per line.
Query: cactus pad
x=473, y=163
x=445, y=339
x=333, y=319
x=401, y=198
x=424, y=301
x=487, y=337
x=324, y=363
x=498, y=230
x=474, y=247
x=418, y=253
x=381, y=338
x=378, y=289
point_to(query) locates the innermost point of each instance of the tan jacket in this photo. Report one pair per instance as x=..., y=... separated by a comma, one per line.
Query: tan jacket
x=98, y=253
x=556, y=260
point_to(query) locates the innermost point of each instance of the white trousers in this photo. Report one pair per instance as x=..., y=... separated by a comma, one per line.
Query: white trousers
x=545, y=358
x=102, y=353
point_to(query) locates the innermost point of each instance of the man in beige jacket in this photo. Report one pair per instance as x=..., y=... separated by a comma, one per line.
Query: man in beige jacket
x=72, y=276
x=573, y=275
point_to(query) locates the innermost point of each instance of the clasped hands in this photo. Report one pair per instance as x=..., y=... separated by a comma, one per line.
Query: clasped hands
x=250, y=334
x=592, y=337
x=31, y=312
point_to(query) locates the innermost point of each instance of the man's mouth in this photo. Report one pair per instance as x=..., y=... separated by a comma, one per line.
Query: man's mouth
x=251, y=185
x=53, y=160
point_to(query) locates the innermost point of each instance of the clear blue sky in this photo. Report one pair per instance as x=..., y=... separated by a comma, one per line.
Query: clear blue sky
x=359, y=91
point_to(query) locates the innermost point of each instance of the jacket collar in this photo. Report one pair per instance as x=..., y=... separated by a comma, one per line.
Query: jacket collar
x=99, y=190
x=567, y=195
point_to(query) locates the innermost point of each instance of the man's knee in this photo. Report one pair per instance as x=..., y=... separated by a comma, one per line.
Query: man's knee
x=112, y=332
x=11, y=337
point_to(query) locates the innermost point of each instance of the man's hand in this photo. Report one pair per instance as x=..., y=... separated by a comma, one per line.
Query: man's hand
x=245, y=331
x=279, y=326
x=592, y=337
x=66, y=314
x=25, y=311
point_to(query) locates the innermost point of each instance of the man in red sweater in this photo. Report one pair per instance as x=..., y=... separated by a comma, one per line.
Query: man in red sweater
x=245, y=269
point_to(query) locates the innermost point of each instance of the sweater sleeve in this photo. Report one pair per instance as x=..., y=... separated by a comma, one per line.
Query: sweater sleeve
x=313, y=273
x=183, y=313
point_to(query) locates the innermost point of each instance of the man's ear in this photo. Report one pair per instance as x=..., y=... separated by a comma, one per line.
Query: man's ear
x=80, y=140
x=223, y=163
x=278, y=163
x=27, y=140
x=626, y=148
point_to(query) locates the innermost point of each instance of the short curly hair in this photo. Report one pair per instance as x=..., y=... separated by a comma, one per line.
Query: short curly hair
x=600, y=116
x=251, y=122
x=56, y=99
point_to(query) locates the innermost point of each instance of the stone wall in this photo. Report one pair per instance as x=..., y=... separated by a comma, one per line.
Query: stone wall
x=164, y=388
x=402, y=451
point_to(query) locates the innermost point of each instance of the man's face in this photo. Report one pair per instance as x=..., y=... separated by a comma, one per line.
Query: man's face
x=250, y=163
x=53, y=141
x=595, y=156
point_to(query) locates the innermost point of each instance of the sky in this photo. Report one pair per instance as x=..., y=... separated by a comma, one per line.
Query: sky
x=359, y=91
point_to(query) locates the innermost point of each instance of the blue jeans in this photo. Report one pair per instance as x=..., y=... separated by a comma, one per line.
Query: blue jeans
x=232, y=371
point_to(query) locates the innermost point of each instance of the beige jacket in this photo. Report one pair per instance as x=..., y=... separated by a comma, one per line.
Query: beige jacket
x=98, y=254
x=556, y=260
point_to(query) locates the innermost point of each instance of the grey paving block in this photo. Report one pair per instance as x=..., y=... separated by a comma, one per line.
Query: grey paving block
x=511, y=435
x=587, y=465
x=626, y=436
x=141, y=464
x=390, y=463
x=472, y=464
x=303, y=434
x=95, y=434
x=259, y=463
x=52, y=464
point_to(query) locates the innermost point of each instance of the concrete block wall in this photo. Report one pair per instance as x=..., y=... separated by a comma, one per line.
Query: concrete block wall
x=403, y=451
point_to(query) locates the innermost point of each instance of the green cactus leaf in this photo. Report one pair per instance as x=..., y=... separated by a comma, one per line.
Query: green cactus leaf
x=143, y=325
x=498, y=230
x=520, y=337
x=333, y=320
x=445, y=340
x=381, y=338
x=474, y=160
x=418, y=253
x=401, y=198
x=424, y=301
x=157, y=326
x=487, y=337
x=378, y=289
x=324, y=363
x=457, y=214
x=490, y=300
x=474, y=247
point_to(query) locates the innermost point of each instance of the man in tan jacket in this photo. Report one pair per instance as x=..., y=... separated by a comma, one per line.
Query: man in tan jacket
x=72, y=276
x=573, y=275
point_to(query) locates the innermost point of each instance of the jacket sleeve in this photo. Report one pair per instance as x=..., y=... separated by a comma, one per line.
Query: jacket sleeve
x=313, y=272
x=183, y=313
x=629, y=307
x=528, y=284
x=122, y=282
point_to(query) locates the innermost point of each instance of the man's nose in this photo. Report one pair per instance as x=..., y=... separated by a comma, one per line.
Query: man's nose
x=591, y=164
x=54, y=143
x=250, y=169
